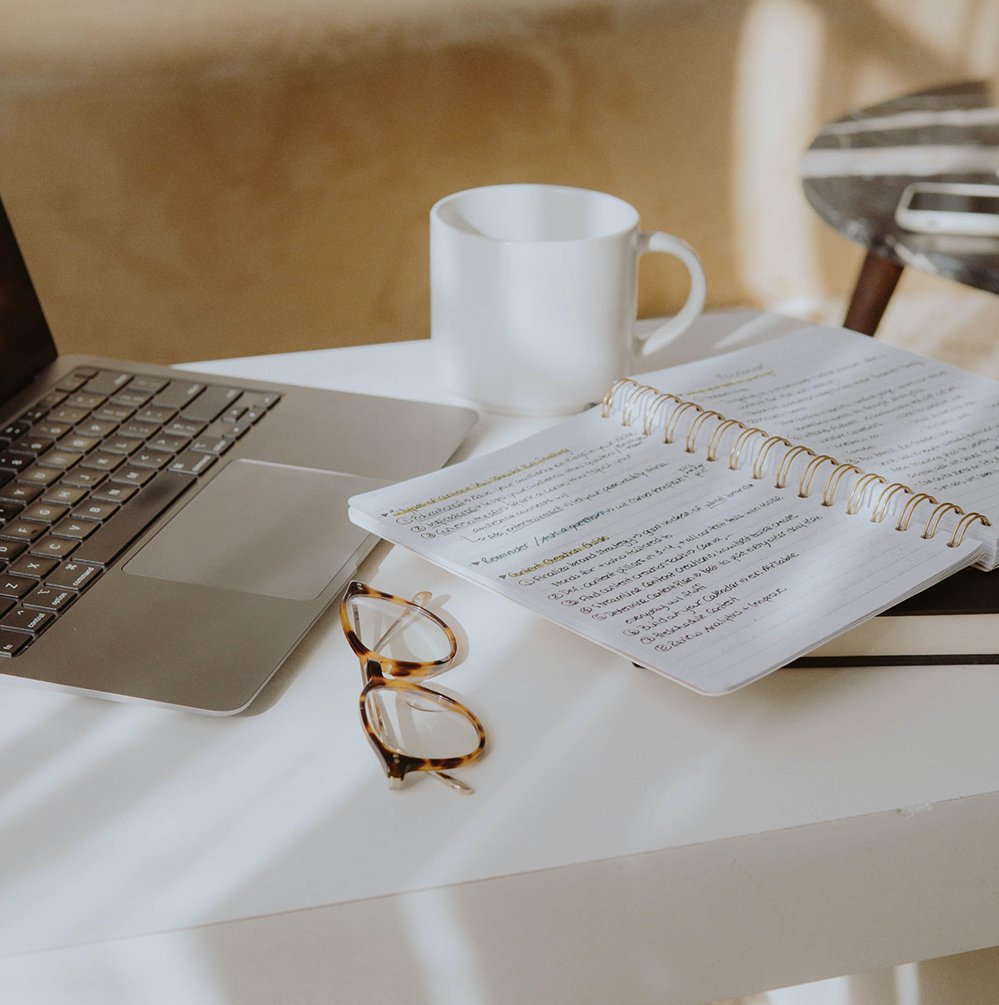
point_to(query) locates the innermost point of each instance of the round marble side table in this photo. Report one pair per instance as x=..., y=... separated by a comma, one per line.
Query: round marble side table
x=857, y=167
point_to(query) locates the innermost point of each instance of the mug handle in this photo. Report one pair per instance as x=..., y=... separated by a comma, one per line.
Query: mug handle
x=656, y=240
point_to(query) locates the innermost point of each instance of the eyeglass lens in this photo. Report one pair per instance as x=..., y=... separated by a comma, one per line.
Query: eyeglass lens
x=397, y=631
x=418, y=723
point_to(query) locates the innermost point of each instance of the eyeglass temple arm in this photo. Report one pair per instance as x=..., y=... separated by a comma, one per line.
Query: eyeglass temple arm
x=421, y=599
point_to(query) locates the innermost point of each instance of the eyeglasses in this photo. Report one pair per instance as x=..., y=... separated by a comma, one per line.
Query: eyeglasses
x=410, y=727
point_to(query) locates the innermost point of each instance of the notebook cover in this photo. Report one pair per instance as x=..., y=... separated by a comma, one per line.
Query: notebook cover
x=945, y=608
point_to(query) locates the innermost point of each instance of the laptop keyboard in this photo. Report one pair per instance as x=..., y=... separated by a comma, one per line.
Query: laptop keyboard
x=87, y=468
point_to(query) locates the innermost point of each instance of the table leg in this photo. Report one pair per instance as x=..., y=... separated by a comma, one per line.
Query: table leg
x=875, y=285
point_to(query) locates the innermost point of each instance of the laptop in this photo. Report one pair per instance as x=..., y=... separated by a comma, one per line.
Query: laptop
x=170, y=537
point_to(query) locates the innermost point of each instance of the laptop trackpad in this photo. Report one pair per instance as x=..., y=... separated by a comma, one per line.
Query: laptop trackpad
x=259, y=527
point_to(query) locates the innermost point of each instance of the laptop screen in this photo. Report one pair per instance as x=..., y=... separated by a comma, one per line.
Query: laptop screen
x=25, y=340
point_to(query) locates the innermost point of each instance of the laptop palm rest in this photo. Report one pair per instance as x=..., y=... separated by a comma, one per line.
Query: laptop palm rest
x=259, y=527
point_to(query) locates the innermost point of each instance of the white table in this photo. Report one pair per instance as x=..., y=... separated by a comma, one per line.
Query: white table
x=628, y=841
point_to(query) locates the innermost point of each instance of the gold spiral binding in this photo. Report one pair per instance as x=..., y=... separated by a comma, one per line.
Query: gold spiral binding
x=834, y=479
x=761, y=454
x=910, y=508
x=741, y=440
x=696, y=428
x=937, y=515
x=640, y=391
x=652, y=411
x=805, y=485
x=674, y=418
x=881, y=506
x=608, y=399
x=853, y=503
x=652, y=408
x=717, y=435
x=785, y=464
x=963, y=524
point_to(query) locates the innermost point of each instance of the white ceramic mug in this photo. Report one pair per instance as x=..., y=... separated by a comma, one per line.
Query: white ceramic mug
x=533, y=295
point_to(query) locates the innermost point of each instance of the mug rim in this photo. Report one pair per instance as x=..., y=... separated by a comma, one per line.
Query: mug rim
x=453, y=196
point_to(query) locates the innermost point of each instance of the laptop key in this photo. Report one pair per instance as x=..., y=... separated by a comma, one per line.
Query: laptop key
x=178, y=393
x=138, y=430
x=80, y=478
x=6, y=603
x=62, y=459
x=22, y=530
x=52, y=399
x=22, y=619
x=113, y=413
x=51, y=430
x=95, y=427
x=11, y=549
x=28, y=565
x=107, y=382
x=14, y=461
x=150, y=384
x=114, y=493
x=155, y=414
x=64, y=494
x=15, y=429
x=84, y=400
x=210, y=445
x=149, y=502
x=54, y=547
x=228, y=430
x=132, y=476
x=73, y=575
x=70, y=415
x=9, y=510
x=191, y=463
x=31, y=444
x=71, y=383
x=15, y=586
x=149, y=459
x=49, y=598
x=101, y=461
x=78, y=530
x=184, y=427
x=94, y=510
x=131, y=398
x=11, y=643
x=211, y=403
x=120, y=445
x=79, y=443
x=45, y=512
x=16, y=492
x=168, y=444
x=39, y=475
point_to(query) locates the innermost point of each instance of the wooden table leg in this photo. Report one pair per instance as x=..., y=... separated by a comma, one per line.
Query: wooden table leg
x=875, y=285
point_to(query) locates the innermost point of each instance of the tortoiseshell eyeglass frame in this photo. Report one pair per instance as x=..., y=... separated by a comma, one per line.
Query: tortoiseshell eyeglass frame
x=381, y=671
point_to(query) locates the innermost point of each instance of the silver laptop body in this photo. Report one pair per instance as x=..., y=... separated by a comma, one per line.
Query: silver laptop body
x=179, y=565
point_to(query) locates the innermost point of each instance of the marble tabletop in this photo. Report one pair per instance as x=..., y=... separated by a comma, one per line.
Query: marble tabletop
x=857, y=168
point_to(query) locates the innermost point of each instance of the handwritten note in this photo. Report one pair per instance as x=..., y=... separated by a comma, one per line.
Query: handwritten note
x=704, y=573
x=911, y=419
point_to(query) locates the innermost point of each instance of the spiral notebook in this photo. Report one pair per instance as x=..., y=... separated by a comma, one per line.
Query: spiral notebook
x=717, y=520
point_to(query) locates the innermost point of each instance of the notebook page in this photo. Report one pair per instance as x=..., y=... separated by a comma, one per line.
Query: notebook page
x=704, y=574
x=911, y=419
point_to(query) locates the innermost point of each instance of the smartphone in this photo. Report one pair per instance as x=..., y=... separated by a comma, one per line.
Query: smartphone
x=949, y=208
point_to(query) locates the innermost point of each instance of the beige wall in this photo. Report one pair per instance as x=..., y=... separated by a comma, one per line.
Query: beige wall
x=259, y=179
